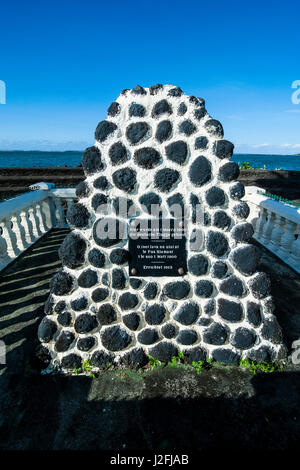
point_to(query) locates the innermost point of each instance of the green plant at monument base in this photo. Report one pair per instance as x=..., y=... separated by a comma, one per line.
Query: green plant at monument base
x=264, y=366
x=86, y=366
x=153, y=362
x=177, y=359
x=197, y=365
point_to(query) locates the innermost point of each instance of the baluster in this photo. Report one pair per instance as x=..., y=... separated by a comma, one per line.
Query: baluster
x=260, y=223
x=33, y=222
x=268, y=228
x=19, y=234
x=287, y=240
x=294, y=259
x=4, y=258
x=60, y=214
x=41, y=217
x=37, y=219
x=46, y=205
x=12, y=247
x=27, y=239
x=277, y=233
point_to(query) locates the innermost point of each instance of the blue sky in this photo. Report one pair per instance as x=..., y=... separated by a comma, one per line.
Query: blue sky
x=64, y=62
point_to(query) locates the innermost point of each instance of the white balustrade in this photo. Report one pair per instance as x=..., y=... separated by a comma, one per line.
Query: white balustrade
x=276, y=226
x=26, y=218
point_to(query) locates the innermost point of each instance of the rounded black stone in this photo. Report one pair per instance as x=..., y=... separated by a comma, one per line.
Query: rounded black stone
x=106, y=314
x=79, y=304
x=204, y=321
x=64, y=341
x=182, y=109
x=87, y=278
x=214, y=128
x=137, y=131
x=187, y=313
x=91, y=160
x=219, y=269
x=135, y=283
x=105, y=279
x=101, y=183
x=195, y=354
x=216, y=244
x=147, y=336
x=177, y=290
x=104, y=129
x=138, y=90
x=215, y=334
x=100, y=294
x=127, y=301
x=246, y=259
x=115, y=338
x=101, y=359
x=71, y=361
x=78, y=216
x=132, y=320
x=254, y=316
x=243, y=338
x=215, y=196
x=176, y=92
x=46, y=330
x=118, y=279
x=223, y=149
x=82, y=189
x=161, y=107
x=221, y=220
x=187, y=128
x=198, y=265
x=135, y=358
x=85, y=323
x=237, y=191
x=209, y=307
x=99, y=200
x=233, y=286
x=163, y=351
x=200, y=171
x=119, y=256
x=96, y=258
x=260, y=286
x=154, y=89
x=169, y=330
x=60, y=306
x=108, y=231
x=163, y=131
x=125, y=179
x=269, y=305
x=229, y=310
x=225, y=356
x=137, y=110
x=62, y=283
x=204, y=288
x=118, y=154
x=155, y=314
x=49, y=305
x=147, y=158
x=201, y=143
x=165, y=179
x=150, y=199
x=64, y=318
x=177, y=152
x=176, y=205
x=86, y=344
x=150, y=291
x=199, y=113
x=229, y=172
x=241, y=210
x=187, y=337
x=261, y=354
x=242, y=232
x=114, y=109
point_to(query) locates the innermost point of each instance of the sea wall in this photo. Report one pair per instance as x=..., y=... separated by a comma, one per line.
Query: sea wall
x=17, y=180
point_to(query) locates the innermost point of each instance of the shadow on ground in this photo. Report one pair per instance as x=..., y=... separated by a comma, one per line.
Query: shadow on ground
x=169, y=408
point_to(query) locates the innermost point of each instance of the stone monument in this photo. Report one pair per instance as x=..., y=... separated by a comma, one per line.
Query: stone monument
x=159, y=259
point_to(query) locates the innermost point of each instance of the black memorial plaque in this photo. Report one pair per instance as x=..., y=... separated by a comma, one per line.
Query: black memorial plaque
x=157, y=247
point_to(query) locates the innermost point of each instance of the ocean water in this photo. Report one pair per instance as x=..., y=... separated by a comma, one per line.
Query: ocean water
x=72, y=158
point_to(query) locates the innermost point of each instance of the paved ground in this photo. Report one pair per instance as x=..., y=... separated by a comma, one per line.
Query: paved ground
x=169, y=408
